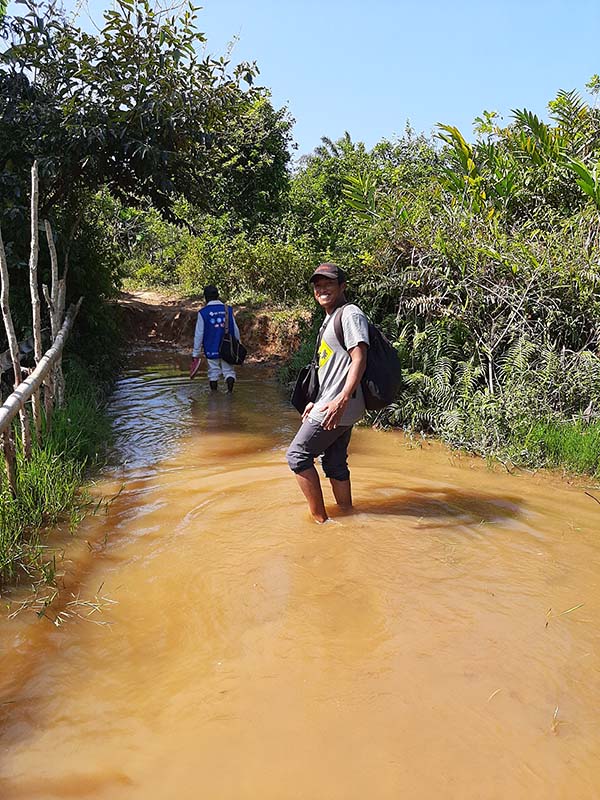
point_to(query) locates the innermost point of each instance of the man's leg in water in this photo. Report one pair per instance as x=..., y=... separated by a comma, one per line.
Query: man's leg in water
x=310, y=484
x=214, y=373
x=335, y=466
x=342, y=491
x=310, y=441
x=228, y=374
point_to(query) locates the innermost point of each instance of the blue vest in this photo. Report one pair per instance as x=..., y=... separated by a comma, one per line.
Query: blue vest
x=214, y=328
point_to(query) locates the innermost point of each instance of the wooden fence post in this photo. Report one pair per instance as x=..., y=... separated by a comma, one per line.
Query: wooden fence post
x=56, y=305
x=23, y=392
x=35, y=295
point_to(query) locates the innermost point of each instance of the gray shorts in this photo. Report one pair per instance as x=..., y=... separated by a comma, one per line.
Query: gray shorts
x=312, y=440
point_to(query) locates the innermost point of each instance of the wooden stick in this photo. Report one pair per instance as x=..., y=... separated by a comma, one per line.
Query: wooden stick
x=592, y=496
x=35, y=294
x=53, y=299
x=49, y=379
x=49, y=400
x=56, y=304
x=12, y=343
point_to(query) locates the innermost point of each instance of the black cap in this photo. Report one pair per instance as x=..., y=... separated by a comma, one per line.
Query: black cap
x=329, y=271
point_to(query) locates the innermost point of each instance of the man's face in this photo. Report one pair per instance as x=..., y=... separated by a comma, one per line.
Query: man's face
x=327, y=291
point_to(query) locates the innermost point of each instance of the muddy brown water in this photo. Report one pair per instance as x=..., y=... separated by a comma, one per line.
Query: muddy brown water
x=425, y=647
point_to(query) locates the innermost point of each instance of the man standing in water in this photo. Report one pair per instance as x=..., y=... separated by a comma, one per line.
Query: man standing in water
x=210, y=329
x=327, y=423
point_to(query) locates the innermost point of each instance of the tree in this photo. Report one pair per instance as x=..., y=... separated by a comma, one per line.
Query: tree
x=135, y=108
x=317, y=200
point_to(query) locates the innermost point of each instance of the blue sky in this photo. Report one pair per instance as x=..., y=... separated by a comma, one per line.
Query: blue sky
x=369, y=67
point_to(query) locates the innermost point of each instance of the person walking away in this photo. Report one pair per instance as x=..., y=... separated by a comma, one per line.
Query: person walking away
x=327, y=423
x=210, y=329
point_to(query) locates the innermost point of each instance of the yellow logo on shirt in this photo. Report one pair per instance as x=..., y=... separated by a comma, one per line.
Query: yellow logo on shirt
x=325, y=353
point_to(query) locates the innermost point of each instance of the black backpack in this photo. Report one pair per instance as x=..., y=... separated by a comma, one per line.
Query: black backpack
x=383, y=376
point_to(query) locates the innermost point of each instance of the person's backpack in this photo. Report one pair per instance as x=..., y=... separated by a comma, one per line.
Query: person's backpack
x=383, y=375
x=231, y=350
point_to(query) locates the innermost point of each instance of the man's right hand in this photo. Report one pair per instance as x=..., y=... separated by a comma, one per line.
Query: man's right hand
x=307, y=411
x=194, y=366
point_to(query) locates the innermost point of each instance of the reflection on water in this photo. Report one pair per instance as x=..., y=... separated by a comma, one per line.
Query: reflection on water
x=418, y=648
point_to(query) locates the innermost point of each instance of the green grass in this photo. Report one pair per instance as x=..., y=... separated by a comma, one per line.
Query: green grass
x=572, y=445
x=49, y=484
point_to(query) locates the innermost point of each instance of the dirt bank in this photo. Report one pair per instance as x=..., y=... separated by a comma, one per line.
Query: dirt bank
x=161, y=320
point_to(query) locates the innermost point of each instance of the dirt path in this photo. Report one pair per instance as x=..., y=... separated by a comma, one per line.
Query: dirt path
x=168, y=321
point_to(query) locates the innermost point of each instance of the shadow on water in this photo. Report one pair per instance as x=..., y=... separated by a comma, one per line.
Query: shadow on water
x=448, y=504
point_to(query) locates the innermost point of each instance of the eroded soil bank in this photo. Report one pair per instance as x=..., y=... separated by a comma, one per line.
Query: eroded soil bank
x=441, y=642
x=152, y=319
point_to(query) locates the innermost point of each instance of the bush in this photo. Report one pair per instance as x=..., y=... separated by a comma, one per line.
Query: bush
x=241, y=268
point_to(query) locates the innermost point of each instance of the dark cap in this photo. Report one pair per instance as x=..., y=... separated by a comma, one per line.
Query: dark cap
x=329, y=271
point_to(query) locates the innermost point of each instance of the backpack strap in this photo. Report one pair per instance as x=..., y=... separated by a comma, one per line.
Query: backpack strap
x=226, y=319
x=338, y=328
x=318, y=342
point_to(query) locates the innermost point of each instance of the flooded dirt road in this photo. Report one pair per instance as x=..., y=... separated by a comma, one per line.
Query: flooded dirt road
x=442, y=642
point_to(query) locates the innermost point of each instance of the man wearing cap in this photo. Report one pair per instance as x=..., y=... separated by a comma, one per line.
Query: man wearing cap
x=210, y=328
x=327, y=423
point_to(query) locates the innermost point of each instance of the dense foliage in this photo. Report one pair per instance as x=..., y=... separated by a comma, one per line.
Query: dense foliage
x=140, y=138
x=478, y=255
x=49, y=484
x=480, y=259
x=138, y=112
x=492, y=266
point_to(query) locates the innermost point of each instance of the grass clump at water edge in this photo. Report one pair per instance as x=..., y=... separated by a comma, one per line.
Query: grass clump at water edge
x=49, y=484
x=572, y=445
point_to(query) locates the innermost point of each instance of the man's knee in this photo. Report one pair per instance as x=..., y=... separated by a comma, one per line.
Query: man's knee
x=336, y=471
x=298, y=460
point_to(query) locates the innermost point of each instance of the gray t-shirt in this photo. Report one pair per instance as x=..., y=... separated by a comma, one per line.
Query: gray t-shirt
x=335, y=361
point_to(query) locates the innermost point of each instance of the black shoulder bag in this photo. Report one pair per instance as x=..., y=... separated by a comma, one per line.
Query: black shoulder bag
x=231, y=350
x=306, y=388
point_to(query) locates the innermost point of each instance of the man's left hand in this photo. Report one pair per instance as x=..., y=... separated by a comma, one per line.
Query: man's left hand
x=333, y=411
